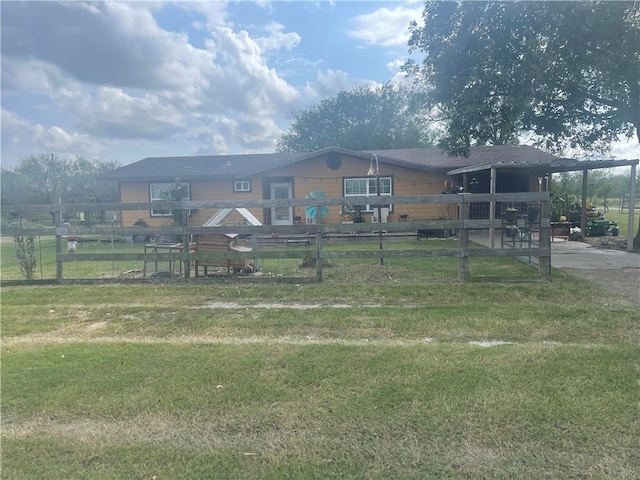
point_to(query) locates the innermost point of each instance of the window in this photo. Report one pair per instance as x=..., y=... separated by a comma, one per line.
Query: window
x=242, y=186
x=367, y=187
x=161, y=192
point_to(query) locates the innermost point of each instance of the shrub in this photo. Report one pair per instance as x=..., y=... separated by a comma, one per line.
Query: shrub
x=26, y=255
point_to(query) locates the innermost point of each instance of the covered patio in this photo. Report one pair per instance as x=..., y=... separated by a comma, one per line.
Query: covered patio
x=499, y=177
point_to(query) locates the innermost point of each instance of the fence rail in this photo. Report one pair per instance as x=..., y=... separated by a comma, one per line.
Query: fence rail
x=317, y=235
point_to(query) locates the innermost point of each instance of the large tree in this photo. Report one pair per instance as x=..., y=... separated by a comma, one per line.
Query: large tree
x=367, y=118
x=565, y=73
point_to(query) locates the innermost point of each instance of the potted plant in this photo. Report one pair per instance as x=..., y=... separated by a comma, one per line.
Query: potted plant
x=347, y=214
x=511, y=215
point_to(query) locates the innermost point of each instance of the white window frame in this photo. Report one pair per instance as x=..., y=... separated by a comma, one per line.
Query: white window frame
x=370, y=184
x=156, y=190
x=242, y=185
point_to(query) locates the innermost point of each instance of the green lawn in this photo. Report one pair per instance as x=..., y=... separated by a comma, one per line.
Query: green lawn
x=415, y=380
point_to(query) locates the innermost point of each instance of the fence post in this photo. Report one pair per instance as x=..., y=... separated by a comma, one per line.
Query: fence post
x=463, y=235
x=318, y=242
x=631, y=228
x=57, y=221
x=186, y=252
x=544, y=241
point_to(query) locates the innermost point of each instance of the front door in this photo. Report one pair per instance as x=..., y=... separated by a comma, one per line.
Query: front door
x=281, y=215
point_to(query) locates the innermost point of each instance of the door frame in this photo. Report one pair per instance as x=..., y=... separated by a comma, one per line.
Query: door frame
x=289, y=185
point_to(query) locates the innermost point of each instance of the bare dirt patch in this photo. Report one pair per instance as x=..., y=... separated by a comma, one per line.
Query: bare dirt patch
x=620, y=281
x=96, y=326
x=608, y=242
x=294, y=306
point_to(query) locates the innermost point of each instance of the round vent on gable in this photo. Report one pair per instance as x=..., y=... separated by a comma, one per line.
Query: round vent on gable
x=334, y=161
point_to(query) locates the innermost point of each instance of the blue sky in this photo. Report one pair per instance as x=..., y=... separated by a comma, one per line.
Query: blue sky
x=127, y=80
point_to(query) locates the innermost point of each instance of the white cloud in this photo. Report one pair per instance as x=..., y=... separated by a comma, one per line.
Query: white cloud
x=626, y=149
x=330, y=82
x=386, y=27
x=81, y=77
x=149, y=116
x=11, y=120
x=395, y=65
x=112, y=43
x=174, y=86
x=248, y=83
x=215, y=13
x=33, y=76
x=54, y=139
x=276, y=39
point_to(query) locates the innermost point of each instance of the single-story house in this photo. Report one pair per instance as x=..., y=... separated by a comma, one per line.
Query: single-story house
x=337, y=172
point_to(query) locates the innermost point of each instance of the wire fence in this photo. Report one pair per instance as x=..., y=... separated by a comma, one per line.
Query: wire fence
x=90, y=243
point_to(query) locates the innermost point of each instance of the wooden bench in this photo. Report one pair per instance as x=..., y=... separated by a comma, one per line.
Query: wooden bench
x=219, y=243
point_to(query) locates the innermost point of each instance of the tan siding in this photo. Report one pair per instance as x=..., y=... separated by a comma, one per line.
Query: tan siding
x=131, y=192
x=314, y=174
x=200, y=190
x=308, y=176
x=210, y=190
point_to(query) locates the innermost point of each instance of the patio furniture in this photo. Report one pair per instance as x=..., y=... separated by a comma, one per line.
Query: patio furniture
x=155, y=248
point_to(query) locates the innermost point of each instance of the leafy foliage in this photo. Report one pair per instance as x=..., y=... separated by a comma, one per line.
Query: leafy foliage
x=25, y=254
x=46, y=179
x=367, y=118
x=567, y=72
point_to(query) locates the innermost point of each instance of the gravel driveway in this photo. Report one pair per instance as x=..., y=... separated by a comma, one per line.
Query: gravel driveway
x=622, y=281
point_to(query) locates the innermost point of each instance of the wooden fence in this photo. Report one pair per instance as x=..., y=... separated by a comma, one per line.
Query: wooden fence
x=317, y=233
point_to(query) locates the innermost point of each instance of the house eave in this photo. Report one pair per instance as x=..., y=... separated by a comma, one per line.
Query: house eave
x=560, y=165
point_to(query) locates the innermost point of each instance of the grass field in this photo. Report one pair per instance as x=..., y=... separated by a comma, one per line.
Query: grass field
x=368, y=380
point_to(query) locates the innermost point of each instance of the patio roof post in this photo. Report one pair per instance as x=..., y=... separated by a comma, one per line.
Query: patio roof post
x=492, y=207
x=583, y=209
x=632, y=204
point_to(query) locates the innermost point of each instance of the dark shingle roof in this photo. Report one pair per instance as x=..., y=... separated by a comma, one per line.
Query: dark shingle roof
x=202, y=166
x=237, y=166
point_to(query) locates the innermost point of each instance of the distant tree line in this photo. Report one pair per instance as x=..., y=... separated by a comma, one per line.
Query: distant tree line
x=47, y=179
x=603, y=186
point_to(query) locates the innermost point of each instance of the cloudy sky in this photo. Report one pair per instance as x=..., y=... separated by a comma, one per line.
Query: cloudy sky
x=127, y=80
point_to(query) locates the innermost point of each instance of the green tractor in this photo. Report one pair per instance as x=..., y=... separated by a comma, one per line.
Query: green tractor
x=596, y=224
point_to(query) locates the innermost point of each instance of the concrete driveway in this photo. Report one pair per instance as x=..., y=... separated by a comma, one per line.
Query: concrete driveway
x=579, y=255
